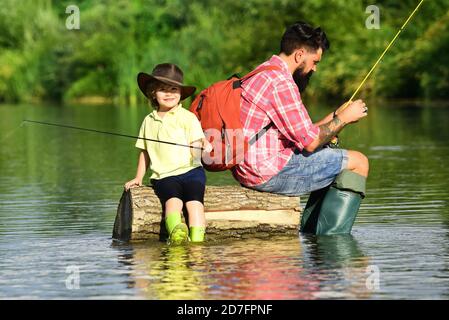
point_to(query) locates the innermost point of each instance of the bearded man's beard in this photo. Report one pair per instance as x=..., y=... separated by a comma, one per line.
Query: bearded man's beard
x=302, y=79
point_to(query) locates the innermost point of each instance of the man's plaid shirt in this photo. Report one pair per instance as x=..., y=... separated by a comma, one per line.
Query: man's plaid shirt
x=272, y=97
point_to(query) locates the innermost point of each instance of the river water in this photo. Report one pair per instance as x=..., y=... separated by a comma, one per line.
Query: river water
x=59, y=191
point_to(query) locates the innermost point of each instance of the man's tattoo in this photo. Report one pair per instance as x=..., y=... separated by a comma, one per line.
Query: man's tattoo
x=330, y=130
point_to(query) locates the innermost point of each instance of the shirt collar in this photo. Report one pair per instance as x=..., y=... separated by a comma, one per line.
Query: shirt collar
x=175, y=109
x=172, y=111
x=277, y=61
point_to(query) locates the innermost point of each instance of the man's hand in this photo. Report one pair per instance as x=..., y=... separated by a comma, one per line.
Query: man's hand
x=136, y=182
x=353, y=112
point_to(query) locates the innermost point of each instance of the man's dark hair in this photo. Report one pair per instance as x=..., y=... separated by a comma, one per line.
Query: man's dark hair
x=303, y=35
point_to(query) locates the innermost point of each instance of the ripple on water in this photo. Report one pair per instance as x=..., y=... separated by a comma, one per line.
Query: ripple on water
x=57, y=208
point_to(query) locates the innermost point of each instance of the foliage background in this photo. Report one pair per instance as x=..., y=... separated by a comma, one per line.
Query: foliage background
x=210, y=39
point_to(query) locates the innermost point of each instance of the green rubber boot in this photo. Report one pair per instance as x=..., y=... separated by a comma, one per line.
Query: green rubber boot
x=177, y=230
x=197, y=233
x=309, y=216
x=333, y=210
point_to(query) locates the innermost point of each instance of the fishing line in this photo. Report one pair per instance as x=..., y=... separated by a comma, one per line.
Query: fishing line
x=111, y=133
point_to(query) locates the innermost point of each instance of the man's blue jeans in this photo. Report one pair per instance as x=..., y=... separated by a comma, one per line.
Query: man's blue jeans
x=306, y=172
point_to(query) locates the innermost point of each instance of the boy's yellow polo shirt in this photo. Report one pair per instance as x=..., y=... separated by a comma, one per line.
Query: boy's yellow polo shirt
x=179, y=126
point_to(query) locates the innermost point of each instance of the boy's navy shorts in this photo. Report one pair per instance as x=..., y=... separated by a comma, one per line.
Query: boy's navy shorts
x=188, y=186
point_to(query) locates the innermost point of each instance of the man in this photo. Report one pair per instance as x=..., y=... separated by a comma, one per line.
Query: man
x=289, y=158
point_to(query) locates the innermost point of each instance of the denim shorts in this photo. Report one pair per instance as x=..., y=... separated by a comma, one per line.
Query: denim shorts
x=306, y=172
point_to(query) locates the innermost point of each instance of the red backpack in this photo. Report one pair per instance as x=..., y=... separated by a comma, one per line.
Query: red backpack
x=218, y=109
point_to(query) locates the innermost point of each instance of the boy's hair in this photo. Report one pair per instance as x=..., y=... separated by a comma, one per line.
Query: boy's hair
x=303, y=35
x=151, y=90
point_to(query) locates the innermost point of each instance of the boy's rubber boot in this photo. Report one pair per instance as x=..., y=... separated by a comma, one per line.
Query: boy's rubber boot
x=197, y=234
x=177, y=230
x=333, y=210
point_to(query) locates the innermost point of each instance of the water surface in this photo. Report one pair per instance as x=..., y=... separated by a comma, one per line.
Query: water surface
x=59, y=191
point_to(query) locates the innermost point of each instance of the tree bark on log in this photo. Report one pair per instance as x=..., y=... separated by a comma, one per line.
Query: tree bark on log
x=231, y=212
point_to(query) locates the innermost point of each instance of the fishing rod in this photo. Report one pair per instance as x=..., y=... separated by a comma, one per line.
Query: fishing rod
x=382, y=55
x=334, y=143
x=111, y=133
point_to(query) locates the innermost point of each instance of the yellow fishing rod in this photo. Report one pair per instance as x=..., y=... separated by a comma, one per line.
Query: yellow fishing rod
x=382, y=55
x=334, y=141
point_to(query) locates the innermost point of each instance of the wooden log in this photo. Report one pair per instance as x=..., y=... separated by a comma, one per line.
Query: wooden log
x=231, y=212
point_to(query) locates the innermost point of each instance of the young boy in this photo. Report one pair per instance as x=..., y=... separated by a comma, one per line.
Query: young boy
x=177, y=174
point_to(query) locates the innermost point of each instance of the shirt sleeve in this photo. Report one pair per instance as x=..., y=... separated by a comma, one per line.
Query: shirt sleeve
x=140, y=143
x=290, y=115
x=195, y=132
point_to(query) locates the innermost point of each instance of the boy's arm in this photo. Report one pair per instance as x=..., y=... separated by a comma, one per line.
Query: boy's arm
x=144, y=162
x=196, y=153
x=142, y=166
x=196, y=137
x=200, y=143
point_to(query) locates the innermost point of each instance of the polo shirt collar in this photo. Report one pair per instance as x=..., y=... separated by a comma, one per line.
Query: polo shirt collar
x=175, y=109
x=172, y=111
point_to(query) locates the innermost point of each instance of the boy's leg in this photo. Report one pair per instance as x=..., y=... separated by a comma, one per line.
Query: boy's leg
x=197, y=220
x=169, y=190
x=173, y=209
x=194, y=187
x=177, y=230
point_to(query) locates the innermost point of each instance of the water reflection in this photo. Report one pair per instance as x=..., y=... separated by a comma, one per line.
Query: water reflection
x=341, y=264
x=168, y=272
x=280, y=268
x=59, y=191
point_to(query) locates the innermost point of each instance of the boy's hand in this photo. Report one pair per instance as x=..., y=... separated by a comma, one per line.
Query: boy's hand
x=207, y=146
x=133, y=183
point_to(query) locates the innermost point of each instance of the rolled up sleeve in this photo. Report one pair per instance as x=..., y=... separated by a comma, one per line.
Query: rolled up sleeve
x=290, y=116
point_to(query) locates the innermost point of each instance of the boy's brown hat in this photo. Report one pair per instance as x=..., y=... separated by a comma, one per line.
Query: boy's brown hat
x=167, y=73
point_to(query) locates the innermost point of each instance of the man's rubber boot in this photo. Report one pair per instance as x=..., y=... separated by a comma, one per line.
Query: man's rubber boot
x=333, y=211
x=309, y=216
x=177, y=230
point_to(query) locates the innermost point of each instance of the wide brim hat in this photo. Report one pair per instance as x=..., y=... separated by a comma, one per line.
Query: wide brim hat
x=166, y=73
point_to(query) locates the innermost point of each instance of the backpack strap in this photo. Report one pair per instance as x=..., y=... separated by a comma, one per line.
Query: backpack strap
x=238, y=83
x=260, y=133
x=259, y=70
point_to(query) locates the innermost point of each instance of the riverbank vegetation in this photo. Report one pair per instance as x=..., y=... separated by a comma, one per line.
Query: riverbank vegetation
x=40, y=59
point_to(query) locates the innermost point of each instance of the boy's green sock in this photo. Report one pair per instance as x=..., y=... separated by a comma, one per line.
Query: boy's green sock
x=177, y=231
x=197, y=234
x=172, y=219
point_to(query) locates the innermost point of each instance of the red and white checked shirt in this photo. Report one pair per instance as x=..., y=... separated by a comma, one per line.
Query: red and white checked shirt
x=272, y=96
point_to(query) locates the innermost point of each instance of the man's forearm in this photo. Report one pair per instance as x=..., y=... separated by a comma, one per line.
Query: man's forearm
x=329, y=130
x=325, y=120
